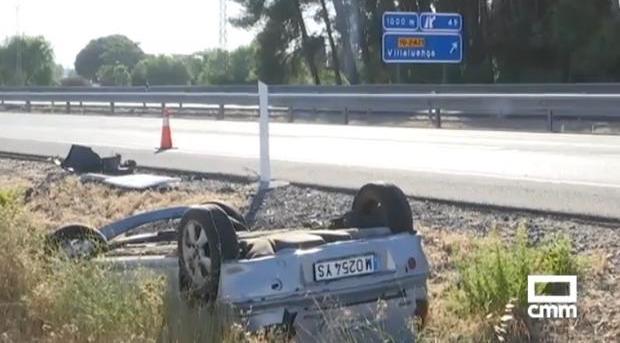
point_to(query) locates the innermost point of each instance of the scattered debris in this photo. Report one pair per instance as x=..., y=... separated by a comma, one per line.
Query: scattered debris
x=135, y=181
x=82, y=159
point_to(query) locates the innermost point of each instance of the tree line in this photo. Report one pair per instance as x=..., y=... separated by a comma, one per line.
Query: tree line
x=504, y=41
x=118, y=61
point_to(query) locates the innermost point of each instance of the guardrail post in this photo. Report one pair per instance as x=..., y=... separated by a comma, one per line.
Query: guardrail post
x=430, y=113
x=220, y=112
x=112, y=107
x=346, y=116
x=144, y=107
x=28, y=106
x=81, y=107
x=180, y=105
x=291, y=115
x=163, y=106
x=263, y=105
x=438, y=118
x=68, y=107
x=52, y=107
x=550, y=120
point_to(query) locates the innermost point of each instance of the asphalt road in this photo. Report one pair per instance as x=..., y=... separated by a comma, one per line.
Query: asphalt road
x=577, y=174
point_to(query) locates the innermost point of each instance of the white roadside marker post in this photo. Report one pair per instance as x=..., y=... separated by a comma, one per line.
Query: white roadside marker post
x=265, y=164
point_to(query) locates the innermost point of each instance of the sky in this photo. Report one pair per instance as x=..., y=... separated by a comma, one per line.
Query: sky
x=159, y=26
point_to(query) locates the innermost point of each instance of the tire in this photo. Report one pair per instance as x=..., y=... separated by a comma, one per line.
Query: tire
x=206, y=238
x=77, y=241
x=382, y=204
x=238, y=220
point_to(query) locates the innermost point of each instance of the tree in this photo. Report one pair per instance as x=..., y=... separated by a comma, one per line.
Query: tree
x=345, y=15
x=332, y=44
x=160, y=70
x=573, y=24
x=223, y=67
x=27, y=61
x=282, y=40
x=114, y=75
x=108, y=50
x=306, y=45
x=194, y=64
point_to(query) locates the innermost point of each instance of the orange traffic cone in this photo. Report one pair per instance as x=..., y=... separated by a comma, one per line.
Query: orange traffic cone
x=166, y=135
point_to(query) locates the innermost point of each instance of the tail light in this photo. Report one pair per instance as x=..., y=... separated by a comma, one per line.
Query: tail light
x=411, y=263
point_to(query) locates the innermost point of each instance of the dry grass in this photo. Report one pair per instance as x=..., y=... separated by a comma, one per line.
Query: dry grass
x=68, y=200
x=51, y=300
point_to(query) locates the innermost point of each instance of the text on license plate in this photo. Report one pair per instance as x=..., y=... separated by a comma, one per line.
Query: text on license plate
x=350, y=266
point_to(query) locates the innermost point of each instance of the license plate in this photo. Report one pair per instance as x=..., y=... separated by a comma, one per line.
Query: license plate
x=345, y=267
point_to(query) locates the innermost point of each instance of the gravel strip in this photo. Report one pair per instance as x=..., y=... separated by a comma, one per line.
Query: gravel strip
x=293, y=206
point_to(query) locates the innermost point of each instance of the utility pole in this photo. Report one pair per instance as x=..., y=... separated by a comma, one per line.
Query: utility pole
x=223, y=23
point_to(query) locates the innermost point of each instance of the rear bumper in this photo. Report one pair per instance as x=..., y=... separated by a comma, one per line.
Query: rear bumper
x=379, y=311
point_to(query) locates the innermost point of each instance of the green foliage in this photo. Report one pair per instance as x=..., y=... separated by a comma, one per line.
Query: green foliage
x=494, y=272
x=74, y=81
x=161, y=70
x=283, y=39
x=223, y=67
x=26, y=61
x=109, y=50
x=194, y=64
x=8, y=198
x=114, y=75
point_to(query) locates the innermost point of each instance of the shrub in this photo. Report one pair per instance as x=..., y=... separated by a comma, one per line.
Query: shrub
x=114, y=75
x=75, y=81
x=495, y=272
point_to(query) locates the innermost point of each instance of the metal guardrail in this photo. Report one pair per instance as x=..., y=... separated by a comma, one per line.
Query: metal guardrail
x=605, y=88
x=513, y=99
x=362, y=101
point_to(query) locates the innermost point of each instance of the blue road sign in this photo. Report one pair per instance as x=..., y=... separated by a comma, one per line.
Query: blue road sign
x=441, y=22
x=400, y=21
x=422, y=47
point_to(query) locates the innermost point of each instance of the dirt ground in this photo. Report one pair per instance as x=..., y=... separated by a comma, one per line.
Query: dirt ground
x=56, y=197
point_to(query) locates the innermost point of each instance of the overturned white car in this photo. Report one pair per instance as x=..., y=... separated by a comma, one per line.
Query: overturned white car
x=366, y=271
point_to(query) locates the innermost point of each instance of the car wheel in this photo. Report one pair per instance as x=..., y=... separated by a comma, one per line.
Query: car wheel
x=237, y=218
x=381, y=204
x=206, y=238
x=76, y=241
